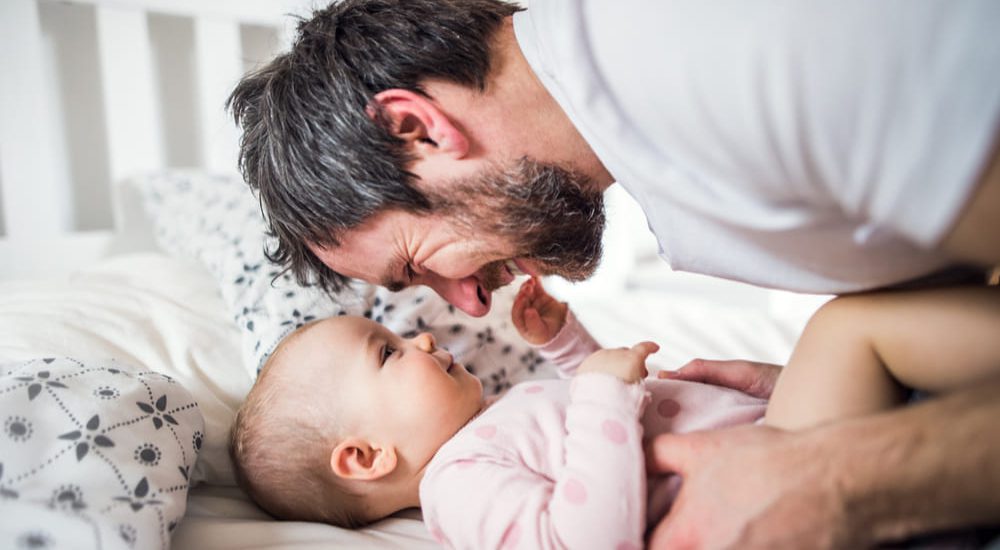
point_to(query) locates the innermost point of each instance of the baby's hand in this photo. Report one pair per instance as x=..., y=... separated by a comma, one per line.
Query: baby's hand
x=629, y=364
x=537, y=315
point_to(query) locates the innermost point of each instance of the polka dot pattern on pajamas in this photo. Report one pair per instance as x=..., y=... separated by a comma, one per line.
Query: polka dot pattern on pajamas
x=614, y=431
x=668, y=408
x=561, y=463
x=575, y=492
x=486, y=432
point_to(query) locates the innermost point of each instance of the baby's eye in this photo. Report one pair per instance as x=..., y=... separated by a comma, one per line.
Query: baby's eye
x=387, y=351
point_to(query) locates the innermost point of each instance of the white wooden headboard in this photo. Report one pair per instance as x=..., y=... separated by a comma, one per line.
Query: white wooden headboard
x=93, y=91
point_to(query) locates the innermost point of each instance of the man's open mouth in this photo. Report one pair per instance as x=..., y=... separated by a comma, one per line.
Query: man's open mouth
x=498, y=274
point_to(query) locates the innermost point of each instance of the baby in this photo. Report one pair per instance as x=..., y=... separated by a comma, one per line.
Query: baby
x=349, y=423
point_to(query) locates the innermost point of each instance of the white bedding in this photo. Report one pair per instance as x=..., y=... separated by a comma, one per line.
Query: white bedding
x=166, y=314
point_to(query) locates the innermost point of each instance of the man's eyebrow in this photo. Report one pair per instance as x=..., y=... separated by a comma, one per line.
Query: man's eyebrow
x=395, y=286
x=390, y=281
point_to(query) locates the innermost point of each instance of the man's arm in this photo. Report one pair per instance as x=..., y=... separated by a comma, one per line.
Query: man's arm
x=928, y=467
x=941, y=469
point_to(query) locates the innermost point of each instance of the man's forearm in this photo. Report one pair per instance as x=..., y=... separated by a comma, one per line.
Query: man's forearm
x=929, y=467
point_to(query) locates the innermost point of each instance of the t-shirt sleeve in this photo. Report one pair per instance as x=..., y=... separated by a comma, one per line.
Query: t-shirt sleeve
x=595, y=499
x=570, y=346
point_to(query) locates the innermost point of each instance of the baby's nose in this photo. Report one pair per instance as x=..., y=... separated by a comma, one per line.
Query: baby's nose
x=425, y=341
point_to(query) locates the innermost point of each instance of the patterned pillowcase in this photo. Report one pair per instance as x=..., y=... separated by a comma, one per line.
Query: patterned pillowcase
x=95, y=455
x=217, y=220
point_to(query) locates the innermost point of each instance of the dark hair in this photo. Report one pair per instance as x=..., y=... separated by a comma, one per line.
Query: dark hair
x=318, y=162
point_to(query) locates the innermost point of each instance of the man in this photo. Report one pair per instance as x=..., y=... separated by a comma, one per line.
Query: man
x=820, y=147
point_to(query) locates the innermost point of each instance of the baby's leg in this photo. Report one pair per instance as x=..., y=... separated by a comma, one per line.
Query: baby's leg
x=858, y=353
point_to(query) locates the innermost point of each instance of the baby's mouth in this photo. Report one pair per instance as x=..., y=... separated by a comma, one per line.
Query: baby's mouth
x=451, y=362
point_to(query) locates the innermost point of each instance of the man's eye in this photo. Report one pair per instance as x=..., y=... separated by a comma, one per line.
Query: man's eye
x=387, y=352
x=409, y=272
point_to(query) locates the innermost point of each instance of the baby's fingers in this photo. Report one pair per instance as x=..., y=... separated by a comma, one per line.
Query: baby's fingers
x=518, y=307
x=526, y=289
x=533, y=321
x=646, y=348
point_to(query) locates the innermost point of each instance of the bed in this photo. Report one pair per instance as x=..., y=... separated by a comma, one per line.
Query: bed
x=132, y=257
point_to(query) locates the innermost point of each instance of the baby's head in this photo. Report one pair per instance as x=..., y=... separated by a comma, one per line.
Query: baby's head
x=343, y=419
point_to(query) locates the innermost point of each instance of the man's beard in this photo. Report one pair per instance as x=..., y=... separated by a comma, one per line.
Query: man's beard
x=549, y=214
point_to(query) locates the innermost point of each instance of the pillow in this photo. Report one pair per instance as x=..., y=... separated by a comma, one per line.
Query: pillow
x=216, y=220
x=97, y=454
x=148, y=310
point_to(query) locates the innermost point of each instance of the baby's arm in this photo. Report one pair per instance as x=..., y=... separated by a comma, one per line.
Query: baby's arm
x=551, y=327
x=595, y=499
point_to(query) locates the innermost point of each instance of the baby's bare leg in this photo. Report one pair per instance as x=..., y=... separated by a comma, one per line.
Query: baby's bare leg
x=859, y=352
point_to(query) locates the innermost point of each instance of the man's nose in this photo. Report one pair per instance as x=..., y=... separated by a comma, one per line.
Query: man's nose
x=466, y=294
x=425, y=342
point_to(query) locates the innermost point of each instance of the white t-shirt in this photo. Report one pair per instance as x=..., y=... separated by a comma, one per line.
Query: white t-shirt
x=813, y=146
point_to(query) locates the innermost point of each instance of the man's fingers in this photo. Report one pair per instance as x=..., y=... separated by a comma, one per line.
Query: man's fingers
x=723, y=373
x=669, y=453
x=751, y=377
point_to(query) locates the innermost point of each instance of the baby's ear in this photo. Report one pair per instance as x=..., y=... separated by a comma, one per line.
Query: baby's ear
x=356, y=458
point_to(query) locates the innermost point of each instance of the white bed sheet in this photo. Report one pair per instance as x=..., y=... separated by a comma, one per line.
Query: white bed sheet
x=166, y=314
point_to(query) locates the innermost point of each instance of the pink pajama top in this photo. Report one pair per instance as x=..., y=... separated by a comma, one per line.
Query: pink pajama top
x=559, y=463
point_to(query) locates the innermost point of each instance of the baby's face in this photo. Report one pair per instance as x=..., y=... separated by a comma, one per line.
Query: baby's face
x=401, y=390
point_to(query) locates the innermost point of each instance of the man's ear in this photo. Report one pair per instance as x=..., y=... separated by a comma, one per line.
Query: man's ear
x=356, y=458
x=417, y=120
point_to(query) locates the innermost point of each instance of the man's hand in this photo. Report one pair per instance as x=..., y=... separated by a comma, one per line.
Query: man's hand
x=747, y=487
x=628, y=364
x=756, y=379
x=536, y=315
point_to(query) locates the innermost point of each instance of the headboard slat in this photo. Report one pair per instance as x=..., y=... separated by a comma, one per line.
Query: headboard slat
x=131, y=98
x=257, y=12
x=219, y=67
x=35, y=192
